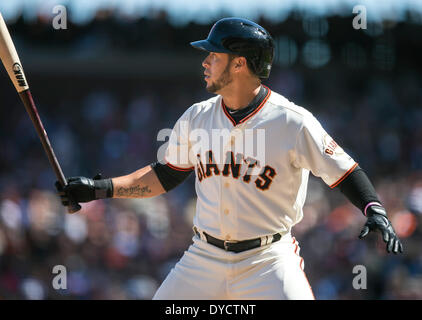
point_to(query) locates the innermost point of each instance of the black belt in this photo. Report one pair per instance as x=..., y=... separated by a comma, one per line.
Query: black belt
x=238, y=246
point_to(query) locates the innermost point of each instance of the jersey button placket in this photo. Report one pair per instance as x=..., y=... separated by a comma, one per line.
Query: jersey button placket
x=226, y=206
x=237, y=141
x=228, y=220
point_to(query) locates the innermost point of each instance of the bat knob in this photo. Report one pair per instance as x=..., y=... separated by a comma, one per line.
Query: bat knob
x=73, y=206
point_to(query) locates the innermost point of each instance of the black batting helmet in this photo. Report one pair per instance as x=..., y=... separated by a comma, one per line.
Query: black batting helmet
x=242, y=37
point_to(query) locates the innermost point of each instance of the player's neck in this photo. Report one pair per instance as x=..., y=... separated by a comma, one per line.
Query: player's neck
x=239, y=95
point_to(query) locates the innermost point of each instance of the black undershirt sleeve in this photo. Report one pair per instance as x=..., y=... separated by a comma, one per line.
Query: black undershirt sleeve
x=169, y=177
x=358, y=189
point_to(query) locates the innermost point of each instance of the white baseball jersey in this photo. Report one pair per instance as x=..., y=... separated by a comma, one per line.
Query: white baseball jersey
x=251, y=178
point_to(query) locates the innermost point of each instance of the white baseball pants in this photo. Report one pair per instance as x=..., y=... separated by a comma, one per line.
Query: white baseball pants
x=206, y=272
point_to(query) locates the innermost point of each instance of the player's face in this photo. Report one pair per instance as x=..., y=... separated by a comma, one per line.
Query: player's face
x=217, y=71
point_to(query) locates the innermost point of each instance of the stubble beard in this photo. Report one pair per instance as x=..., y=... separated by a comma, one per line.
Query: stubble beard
x=222, y=81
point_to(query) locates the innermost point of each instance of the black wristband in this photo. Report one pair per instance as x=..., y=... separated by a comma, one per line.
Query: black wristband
x=103, y=188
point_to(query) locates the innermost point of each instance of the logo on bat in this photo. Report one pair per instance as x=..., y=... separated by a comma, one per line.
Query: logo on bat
x=17, y=69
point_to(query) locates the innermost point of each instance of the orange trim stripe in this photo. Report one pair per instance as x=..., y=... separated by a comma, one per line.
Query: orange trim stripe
x=335, y=184
x=250, y=115
x=179, y=168
x=259, y=107
x=226, y=113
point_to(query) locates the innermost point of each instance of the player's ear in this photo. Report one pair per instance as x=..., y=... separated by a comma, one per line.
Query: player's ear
x=239, y=63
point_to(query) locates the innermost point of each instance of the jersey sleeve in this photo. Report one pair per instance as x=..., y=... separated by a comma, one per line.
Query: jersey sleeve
x=316, y=151
x=177, y=154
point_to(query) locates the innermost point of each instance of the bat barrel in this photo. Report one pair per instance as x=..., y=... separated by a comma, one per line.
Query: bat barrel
x=10, y=58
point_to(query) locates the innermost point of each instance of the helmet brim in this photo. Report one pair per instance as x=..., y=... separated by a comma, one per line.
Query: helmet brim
x=206, y=45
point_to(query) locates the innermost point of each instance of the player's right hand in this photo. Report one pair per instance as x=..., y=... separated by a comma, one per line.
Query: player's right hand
x=378, y=220
x=83, y=189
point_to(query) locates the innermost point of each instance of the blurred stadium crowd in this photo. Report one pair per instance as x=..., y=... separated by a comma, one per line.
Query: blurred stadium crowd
x=366, y=91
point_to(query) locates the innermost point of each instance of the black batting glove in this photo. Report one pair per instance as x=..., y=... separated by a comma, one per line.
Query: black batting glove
x=378, y=220
x=83, y=189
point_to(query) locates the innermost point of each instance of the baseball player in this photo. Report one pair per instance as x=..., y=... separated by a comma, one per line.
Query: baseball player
x=251, y=150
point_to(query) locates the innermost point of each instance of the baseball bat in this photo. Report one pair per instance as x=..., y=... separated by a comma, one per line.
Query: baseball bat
x=11, y=62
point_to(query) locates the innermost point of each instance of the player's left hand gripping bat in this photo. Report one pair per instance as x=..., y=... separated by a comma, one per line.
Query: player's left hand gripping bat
x=10, y=59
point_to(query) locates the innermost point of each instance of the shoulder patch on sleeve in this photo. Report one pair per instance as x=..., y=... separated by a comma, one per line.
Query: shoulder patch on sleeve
x=330, y=146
